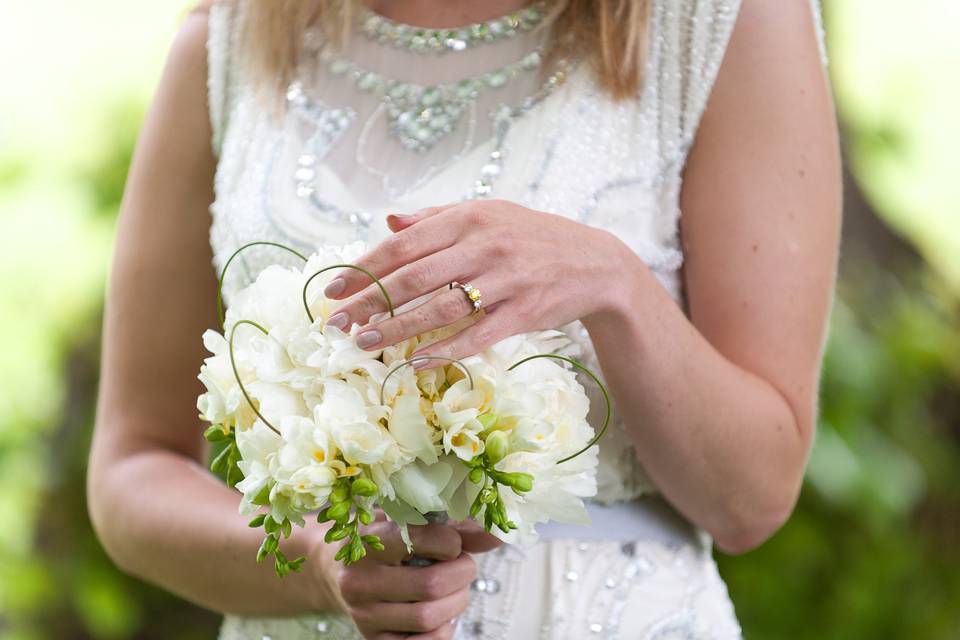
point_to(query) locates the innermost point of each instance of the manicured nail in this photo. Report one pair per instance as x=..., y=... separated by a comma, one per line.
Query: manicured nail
x=338, y=320
x=368, y=338
x=421, y=362
x=336, y=286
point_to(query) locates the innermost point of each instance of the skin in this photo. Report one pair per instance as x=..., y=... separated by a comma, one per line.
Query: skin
x=722, y=421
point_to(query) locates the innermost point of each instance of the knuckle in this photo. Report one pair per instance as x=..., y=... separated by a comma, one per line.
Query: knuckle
x=477, y=215
x=415, y=277
x=433, y=584
x=450, y=308
x=399, y=244
x=472, y=570
x=423, y=616
x=349, y=585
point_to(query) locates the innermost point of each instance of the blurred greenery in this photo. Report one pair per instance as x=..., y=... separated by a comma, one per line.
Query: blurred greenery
x=872, y=549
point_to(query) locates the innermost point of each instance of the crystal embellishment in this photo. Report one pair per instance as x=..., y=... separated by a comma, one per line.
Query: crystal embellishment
x=440, y=41
x=420, y=116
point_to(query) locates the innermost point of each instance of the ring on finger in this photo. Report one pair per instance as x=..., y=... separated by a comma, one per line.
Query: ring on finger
x=473, y=294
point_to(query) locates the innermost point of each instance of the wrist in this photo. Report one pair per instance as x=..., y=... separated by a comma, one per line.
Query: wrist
x=323, y=571
x=620, y=283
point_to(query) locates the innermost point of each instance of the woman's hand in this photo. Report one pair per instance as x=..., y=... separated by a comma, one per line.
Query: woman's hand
x=534, y=270
x=388, y=600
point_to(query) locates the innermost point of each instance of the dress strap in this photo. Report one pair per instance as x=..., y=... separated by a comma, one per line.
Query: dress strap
x=221, y=68
x=689, y=41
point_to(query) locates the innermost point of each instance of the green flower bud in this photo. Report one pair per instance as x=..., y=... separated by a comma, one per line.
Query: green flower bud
x=476, y=475
x=286, y=528
x=496, y=446
x=336, y=533
x=488, y=495
x=340, y=493
x=365, y=517
x=270, y=525
x=521, y=482
x=257, y=522
x=339, y=511
x=357, y=552
x=364, y=487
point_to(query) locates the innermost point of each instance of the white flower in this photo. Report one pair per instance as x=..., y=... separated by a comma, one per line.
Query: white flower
x=344, y=413
x=409, y=427
x=258, y=447
x=223, y=401
x=558, y=491
x=274, y=301
x=421, y=485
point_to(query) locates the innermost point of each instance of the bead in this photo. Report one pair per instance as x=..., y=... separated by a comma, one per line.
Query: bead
x=440, y=41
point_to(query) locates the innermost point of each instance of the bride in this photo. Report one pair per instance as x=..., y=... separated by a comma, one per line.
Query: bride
x=657, y=178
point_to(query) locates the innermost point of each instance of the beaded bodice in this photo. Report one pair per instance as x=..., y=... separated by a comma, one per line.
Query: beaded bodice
x=353, y=145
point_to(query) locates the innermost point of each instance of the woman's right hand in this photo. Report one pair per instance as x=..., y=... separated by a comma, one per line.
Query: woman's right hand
x=388, y=600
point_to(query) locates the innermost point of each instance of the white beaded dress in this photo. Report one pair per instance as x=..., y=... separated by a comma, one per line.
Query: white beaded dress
x=359, y=139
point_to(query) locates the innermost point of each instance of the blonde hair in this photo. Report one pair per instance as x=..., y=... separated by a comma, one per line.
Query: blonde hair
x=611, y=34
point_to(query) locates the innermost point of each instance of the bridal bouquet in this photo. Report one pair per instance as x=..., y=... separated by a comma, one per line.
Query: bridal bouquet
x=309, y=422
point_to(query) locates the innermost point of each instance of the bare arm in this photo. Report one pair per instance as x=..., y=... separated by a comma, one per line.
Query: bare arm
x=160, y=514
x=722, y=406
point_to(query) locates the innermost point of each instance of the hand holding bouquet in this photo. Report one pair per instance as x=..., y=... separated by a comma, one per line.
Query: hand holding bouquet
x=309, y=422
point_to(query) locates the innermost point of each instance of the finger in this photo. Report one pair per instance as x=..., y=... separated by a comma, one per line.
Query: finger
x=492, y=327
x=405, y=284
x=414, y=617
x=445, y=308
x=473, y=538
x=443, y=633
x=401, y=248
x=399, y=221
x=384, y=583
x=434, y=541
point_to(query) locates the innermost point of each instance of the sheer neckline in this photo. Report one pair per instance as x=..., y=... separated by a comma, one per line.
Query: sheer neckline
x=515, y=19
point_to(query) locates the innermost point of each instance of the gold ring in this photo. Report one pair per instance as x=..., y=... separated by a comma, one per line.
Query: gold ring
x=473, y=294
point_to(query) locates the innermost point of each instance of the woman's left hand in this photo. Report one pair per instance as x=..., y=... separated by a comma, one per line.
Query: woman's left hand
x=534, y=270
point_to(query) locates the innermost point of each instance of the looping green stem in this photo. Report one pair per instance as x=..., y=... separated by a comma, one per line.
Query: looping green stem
x=236, y=374
x=223, y=273
x=376, y=280
x=459, y=364
x=603, y=390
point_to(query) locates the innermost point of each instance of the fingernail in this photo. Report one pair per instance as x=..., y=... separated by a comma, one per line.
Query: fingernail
x=368, y=338
x=338, y=320
x=402, y=215
x=421, y=363
x=336, y=286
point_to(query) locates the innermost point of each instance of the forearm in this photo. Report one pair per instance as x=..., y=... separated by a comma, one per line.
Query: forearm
x=722, y=444
x=167, y=520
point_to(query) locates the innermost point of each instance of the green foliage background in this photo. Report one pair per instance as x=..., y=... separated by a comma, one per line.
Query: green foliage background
x=872, y=550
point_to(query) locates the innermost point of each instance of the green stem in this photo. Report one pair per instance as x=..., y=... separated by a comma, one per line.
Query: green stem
x=375, y=279
x=603, y=390
x=459, y=364
x=223, y=273
x=236, y=374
